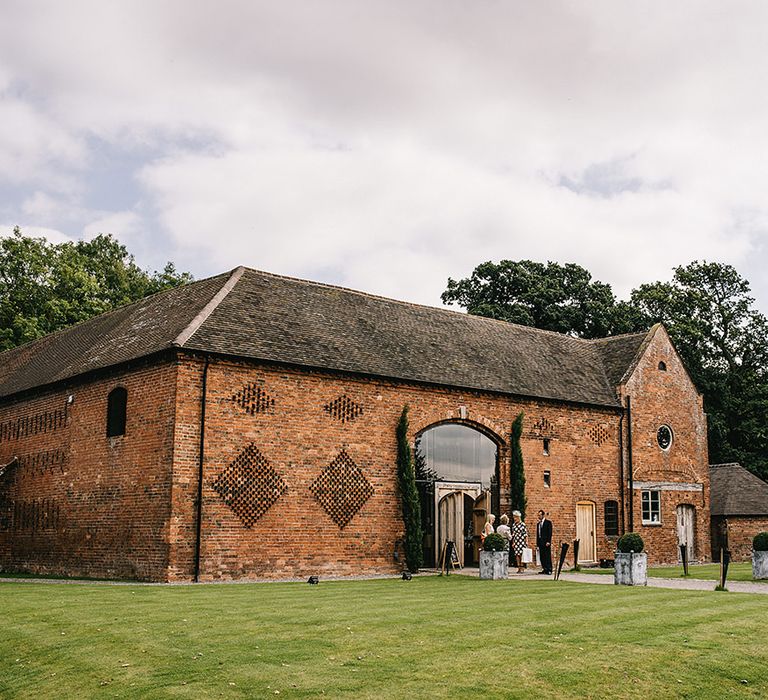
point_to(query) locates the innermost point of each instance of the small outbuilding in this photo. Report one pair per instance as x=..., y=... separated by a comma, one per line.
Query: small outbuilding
x=739, y=509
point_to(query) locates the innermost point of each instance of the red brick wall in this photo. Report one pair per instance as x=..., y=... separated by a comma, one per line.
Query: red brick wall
x=78, y=502
x=299, y=439
x=668, y=397
x=741, y=531
x=127, y=506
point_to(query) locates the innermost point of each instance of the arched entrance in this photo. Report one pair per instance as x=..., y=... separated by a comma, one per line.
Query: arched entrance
x=458, y=477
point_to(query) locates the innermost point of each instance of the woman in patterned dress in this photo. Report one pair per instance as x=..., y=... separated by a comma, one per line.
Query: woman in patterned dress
x=519, y=539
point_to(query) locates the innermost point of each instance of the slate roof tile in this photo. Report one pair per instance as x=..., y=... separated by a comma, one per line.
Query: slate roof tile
x=258, y=315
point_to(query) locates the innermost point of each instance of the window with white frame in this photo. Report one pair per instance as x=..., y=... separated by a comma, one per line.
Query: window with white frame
x=651, y=507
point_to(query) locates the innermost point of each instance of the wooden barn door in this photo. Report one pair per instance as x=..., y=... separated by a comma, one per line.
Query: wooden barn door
x=451, y=519
x=686, y=517
x=585, y=531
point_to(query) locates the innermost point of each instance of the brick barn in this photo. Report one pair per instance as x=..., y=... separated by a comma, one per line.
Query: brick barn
x=739, y=509
x=244, y=426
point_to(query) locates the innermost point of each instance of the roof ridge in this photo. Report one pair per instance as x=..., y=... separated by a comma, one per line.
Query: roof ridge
x=617, y=336
x=194, y=325
x=463, y=314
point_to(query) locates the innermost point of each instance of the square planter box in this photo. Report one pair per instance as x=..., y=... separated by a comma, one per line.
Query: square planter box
x=630, y=569
x=494, y=565
x=759, y=564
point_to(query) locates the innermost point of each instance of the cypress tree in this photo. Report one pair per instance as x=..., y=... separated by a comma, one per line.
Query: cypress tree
x=409, y=496
x=516, y=473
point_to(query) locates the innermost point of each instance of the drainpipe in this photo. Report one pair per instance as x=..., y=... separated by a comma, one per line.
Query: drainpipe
x=621, y=469
x=199, y=524
x=629, y=464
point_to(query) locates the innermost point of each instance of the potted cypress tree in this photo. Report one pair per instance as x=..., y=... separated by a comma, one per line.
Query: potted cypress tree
x=631, y=564
x=760, y=555
x=494, y=559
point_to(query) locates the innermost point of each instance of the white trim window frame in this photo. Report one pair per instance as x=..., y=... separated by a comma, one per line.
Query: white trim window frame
x=651, y=507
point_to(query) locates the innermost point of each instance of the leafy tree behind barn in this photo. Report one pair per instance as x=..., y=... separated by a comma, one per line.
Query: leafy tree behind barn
x=707, y=310
x=45, y=287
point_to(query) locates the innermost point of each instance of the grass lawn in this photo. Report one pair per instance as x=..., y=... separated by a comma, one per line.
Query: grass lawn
x=433, y=637
x=740, y=571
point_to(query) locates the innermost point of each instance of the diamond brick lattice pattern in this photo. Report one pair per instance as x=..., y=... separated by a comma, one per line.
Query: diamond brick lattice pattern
x=343, y=409
x=342, y=489
x=249, y=485
x=598, y=434
x=253, y=399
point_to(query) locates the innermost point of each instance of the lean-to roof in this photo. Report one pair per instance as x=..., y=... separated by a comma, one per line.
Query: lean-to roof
x=736, y=491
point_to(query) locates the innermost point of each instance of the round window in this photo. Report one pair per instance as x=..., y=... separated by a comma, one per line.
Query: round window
x=664, y=437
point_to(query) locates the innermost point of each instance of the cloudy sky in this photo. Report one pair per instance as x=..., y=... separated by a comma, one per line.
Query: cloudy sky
x=386, y=146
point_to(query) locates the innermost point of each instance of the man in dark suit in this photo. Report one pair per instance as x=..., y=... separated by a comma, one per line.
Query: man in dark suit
x=544, y=542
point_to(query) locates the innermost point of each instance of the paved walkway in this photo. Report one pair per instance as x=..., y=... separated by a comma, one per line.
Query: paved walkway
x=689, y=584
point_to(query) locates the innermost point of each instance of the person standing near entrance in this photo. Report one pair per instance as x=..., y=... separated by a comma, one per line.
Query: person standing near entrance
x=488, y=528
x=544, y=542
x=505, y=531
x=519, y=539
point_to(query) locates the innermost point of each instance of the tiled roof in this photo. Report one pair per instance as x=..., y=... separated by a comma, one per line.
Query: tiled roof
x=736, y=491
x=128, y=333
x=269, y=317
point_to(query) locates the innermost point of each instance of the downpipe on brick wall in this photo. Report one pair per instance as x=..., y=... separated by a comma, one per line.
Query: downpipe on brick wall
x=621, y=470
x=629, y=464
x=199, y=524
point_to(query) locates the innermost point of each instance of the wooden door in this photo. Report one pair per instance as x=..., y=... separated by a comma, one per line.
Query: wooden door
x=585, y=531
x=451, y=520
x=480, y=511
x=686, y=518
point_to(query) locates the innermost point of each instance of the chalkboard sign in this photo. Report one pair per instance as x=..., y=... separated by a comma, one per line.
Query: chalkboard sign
x=449, y=557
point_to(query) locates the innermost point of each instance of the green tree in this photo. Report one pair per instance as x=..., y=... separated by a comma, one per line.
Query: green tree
x=561, y=298
x=517, y=498
x=706, y=308
x=46, y=287
x=409, y=496
x=708, y=311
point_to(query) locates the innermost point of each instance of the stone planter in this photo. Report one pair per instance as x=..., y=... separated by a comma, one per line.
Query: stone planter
x=631, y=569
x=759, y=564
x=493, y=565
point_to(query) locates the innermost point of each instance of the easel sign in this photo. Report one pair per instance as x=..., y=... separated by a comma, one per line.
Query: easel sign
x=449, y=558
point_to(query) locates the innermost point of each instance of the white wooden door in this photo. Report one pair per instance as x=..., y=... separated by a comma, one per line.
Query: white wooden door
x=451, y=519
x=585, y=532
x=686, y=518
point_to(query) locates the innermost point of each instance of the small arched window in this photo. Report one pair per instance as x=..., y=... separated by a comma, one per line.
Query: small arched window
x=117, y=402
x=663, y=366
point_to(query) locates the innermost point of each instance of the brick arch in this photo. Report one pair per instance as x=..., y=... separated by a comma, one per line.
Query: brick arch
x=483, y=425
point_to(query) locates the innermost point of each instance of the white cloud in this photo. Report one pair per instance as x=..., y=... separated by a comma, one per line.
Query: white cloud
x=387, y=146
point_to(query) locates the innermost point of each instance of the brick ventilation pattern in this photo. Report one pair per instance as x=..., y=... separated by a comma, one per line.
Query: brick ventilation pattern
x=253, y=399
x=34, y=515
x=543, y=428
x=44, y=422
x=249, y=485
x=343, y=409
x=342, y=489
x=42, y=462
x=598, y=434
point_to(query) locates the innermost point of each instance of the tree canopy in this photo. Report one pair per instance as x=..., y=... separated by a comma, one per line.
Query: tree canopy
x=45, y=287
x=706, y=308
x=561, y=298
